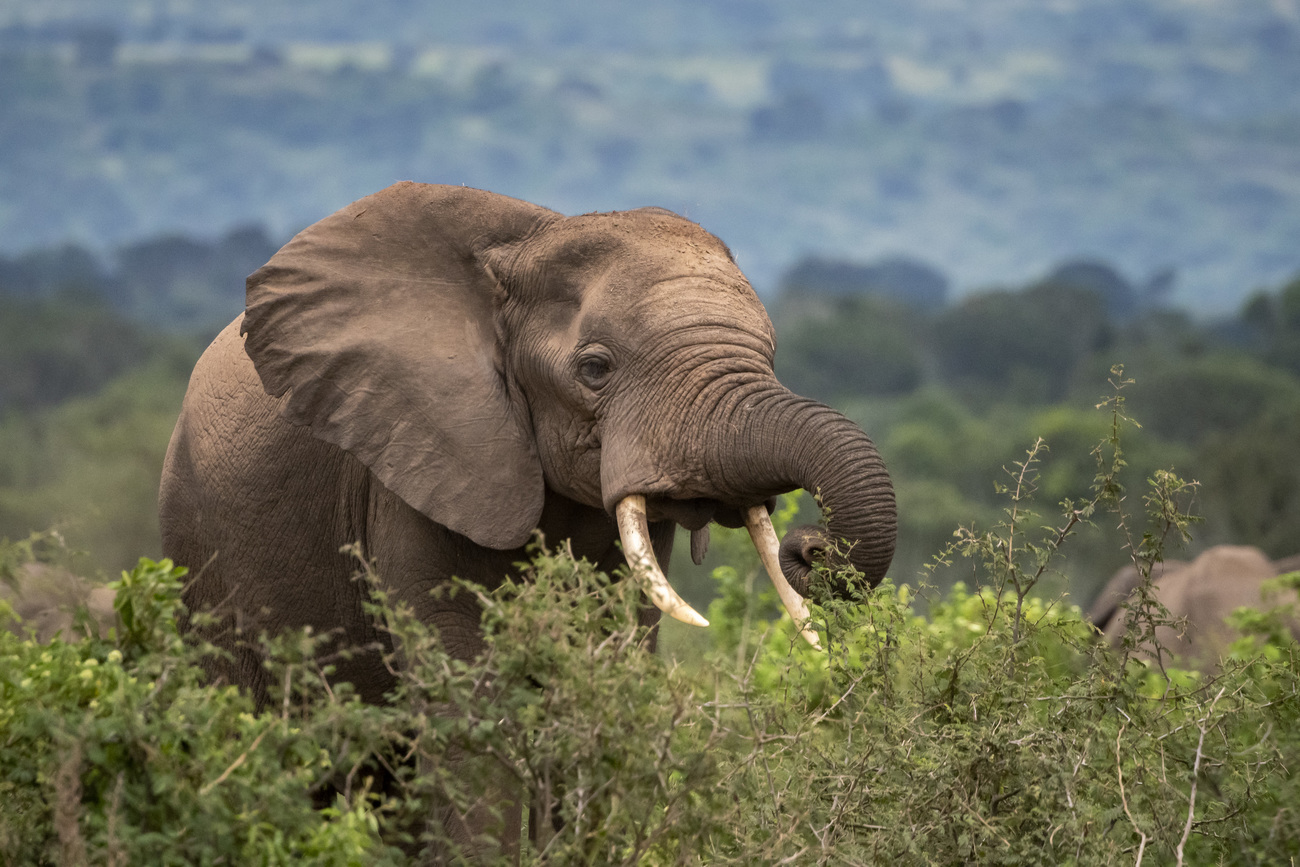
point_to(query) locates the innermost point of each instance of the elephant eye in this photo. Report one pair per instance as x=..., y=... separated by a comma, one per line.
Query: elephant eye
x=594, y=370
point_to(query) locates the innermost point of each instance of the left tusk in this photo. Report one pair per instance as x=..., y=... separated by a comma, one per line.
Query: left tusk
x=634, y=528
x=765, y=542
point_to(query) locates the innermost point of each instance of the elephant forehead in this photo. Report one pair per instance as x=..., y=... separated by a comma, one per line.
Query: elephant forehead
x=654, y=223
x=691, y=308
x=637, y=246
x=650, y=272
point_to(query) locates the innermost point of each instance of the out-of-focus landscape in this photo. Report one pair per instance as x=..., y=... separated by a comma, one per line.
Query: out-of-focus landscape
x=960, y=217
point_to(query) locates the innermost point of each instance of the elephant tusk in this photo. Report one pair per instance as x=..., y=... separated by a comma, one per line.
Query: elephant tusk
x=765, y=542
x=634, y=528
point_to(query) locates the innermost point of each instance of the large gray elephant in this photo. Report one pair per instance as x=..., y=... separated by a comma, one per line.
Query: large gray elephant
x=1203, y=593
x=436, y=372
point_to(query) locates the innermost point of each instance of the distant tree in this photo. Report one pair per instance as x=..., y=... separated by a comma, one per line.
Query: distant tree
x=1268, y=325
x=57, y=270
x=833, y=348
x=57, y=348
x=151, y=269
x=1288, y=305
x=1251, y=480
x=1187, y=398
x=1158, y=288
x=901, y=278
x=1259, y=312
x=240, y=252
x=1091, y=275
x=187, y=284
x=936, y=436
x=89, y=466
x=1023, y=345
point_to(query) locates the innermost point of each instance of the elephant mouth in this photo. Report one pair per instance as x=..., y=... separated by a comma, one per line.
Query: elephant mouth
x=693, y=514
x=634, y=529
x=696, y=513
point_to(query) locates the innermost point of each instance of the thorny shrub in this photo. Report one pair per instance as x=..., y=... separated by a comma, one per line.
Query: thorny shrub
x=992, y=729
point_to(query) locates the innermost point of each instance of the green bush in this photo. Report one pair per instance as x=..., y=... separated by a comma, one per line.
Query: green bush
x=117, y=751
x=992, y=730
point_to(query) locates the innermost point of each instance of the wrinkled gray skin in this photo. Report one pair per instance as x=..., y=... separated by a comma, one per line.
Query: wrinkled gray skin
x=1204, y=592
x=436, y=372
x=46, y=598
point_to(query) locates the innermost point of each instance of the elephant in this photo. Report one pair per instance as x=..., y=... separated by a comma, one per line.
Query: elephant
x=45, y=599
x=438, y=372
x=1203, y=592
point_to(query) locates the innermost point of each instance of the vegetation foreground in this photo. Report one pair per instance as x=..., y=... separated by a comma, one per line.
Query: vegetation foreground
x=994, y=729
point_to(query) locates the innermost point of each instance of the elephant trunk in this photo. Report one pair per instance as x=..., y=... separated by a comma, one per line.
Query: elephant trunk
x=762, y=442
x=782, y=441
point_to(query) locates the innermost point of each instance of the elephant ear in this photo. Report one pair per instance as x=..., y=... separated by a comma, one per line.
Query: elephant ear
x=379, y=323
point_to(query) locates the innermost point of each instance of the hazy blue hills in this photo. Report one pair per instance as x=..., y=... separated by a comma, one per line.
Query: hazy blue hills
x=991, y=141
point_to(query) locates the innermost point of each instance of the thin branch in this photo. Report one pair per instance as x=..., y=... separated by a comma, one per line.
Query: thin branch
x=1119, y=769
x=235, y=764
x=1196, y=768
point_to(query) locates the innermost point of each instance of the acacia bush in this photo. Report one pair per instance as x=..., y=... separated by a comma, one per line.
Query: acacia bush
x=994, y=729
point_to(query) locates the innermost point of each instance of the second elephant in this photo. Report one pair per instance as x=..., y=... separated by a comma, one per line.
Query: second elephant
x=46, y=599
x=1203, y=592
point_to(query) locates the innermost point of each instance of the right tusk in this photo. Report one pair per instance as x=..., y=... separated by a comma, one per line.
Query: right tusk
x=765, y=542
x=634, y=528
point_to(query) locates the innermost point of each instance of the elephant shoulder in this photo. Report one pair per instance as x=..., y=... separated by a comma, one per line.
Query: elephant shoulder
x=230, y=442
x=1226, y=577
x=225, y=405
x=224, y=374
x=1105, y=610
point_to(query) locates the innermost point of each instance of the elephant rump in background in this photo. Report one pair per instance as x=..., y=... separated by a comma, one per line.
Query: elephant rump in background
x=436, y=372
x=45, y=600
x=1203, y=592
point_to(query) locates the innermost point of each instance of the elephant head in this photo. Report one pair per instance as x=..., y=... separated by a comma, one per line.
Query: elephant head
x=474, y=351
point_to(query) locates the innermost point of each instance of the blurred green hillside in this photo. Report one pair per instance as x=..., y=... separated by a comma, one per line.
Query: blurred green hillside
x=94, y=360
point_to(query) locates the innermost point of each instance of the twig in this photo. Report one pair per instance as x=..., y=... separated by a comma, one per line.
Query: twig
x=235, y=764
x=1119, y=769
x=1196, y=767
x=288, y=682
